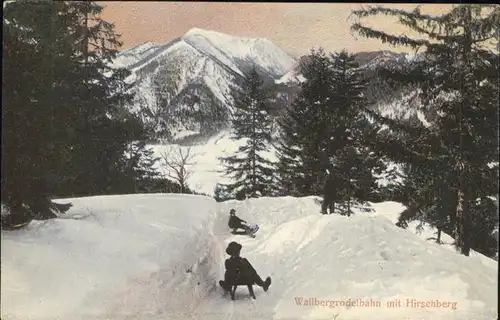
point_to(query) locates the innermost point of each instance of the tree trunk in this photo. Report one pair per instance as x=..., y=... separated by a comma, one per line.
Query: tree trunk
x=332, y=207
x=254, y=180
x=85, y=48
x=462, y=212
x=349, y=205
x=438, y=240
x=182, y=179
x=324, y=207
x=88, y=115
x=462, y=220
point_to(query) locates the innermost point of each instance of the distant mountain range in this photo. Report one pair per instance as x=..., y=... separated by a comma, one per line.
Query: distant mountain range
x=183, y=87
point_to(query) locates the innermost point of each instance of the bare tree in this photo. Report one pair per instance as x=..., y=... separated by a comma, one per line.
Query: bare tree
x=176, y=161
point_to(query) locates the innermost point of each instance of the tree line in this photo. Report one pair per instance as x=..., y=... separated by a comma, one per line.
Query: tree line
x=332, y=142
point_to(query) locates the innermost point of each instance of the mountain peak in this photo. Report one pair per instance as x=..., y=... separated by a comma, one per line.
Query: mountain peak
x=197, y=30
x=240, y=53
x=201, y=66
x=193, y=32
x=217, y=35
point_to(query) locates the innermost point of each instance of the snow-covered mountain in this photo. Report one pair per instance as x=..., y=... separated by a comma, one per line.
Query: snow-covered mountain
x=185, y=84
x=389, y=102
x=292, y=76
x=369, y=60
x=183, y=87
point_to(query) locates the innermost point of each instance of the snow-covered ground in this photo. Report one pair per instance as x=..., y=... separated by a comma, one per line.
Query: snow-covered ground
x=160, y=256
x=206, y=168
x=110, y=257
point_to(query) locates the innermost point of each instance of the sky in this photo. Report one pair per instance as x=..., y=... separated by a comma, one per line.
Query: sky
x=295, y=27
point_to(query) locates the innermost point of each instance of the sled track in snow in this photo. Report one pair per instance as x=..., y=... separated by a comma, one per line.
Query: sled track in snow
x=218, y=305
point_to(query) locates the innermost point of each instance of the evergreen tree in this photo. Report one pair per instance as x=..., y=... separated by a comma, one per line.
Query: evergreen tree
x=220, y=194
x=353, y=163
x=103, y=127
x=289, y=148
x=250, y=169
x=302, y=153
x=140, y=169
x=322, y=147
x=66, y=131
x=459, y=79
x=37, y=50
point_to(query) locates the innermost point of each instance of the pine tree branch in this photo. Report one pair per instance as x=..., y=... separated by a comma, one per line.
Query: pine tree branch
x=388, y=38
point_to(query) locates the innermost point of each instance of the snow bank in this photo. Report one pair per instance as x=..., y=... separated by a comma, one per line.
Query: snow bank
x=425, y=231
x=112, y=257
x=318, y=263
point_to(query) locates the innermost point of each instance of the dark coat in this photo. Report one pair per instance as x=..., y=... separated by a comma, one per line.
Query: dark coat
x=235, y=222
x=239, y=271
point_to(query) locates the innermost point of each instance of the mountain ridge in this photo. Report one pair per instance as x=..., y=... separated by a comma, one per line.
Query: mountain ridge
x=185, y=85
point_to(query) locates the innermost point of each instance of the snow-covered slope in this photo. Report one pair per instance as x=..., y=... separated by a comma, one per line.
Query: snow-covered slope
x=261, y=52
x=108, y=257
x=185, y=84
x=131, y=56
x=292, y=76
x=374, y=59
x=327, y=260
x=134, y=257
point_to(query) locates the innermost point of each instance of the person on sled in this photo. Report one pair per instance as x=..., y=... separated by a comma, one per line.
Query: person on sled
x=240, y=271
x=236, y=223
